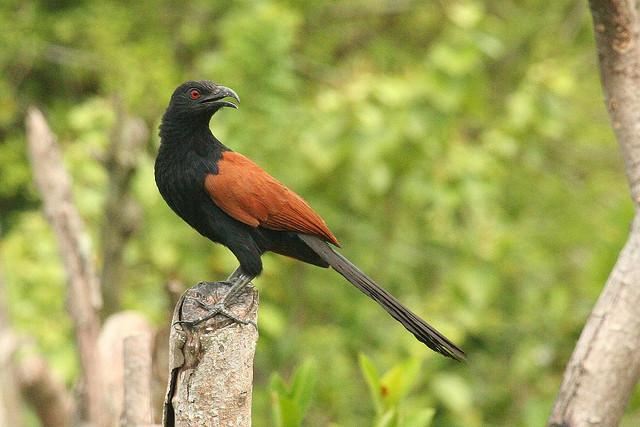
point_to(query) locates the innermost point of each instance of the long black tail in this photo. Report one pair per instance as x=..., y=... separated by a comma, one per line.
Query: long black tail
x=414, y=324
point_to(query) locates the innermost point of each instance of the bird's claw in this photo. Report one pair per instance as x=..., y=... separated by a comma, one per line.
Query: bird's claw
x=218, y=308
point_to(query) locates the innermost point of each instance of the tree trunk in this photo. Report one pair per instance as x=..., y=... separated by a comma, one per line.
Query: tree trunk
x=122, y=214
x=83, y=295
x=605, y=365
x=211, y=364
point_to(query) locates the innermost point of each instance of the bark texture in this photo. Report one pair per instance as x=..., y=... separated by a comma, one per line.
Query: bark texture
x=605, y=365
x=83, y=296
x=211, y=364
x=137, y=381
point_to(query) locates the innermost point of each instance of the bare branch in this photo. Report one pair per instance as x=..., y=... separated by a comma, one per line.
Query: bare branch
x=10, y=402
x=212, y=363
x=83, y=296
x=605, y=365
x=121, y=214
x=46, y=393
x=618, y=43
x=30, y=377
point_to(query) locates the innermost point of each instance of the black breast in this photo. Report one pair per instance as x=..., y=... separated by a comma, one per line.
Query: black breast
x=180, y=170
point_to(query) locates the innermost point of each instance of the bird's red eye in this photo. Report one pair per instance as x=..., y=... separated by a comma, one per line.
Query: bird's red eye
x=194, y=94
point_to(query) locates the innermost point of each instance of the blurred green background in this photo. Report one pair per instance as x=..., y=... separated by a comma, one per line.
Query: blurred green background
x=459, y=150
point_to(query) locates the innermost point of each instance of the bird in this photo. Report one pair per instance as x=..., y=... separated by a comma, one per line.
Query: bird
x=232, y=201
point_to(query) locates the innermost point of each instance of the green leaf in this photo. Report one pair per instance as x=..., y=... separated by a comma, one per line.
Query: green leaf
x=371, y=376
x=277, y=384
x=422, y=418
x=286, y=411
x=388, y=419
x=289, y=404
x=398, y=381
x=304, y=381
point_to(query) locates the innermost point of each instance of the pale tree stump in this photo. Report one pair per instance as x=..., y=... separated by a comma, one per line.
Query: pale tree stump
x=137, y=384
x=211, y=364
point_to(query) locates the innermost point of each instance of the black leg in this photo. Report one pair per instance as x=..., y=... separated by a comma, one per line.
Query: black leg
x=239, y=282
x=236, y=273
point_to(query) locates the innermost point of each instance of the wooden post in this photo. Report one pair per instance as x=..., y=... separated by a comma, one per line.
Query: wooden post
x=211, y=364
x=137, y=381
x=113, y=360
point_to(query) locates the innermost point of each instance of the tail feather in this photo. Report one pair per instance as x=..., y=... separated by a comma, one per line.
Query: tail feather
x=424, y=332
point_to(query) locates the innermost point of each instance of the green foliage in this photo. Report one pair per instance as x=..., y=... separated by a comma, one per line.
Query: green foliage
x=459, y=150
x=390, y=389
x=289, y=404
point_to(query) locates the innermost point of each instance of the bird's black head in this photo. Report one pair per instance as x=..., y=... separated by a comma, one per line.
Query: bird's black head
x=194, y=102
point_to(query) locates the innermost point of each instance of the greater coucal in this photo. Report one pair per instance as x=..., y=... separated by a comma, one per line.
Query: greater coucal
x=231, y=200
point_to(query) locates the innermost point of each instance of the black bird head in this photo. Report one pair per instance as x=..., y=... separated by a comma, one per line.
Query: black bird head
x=195, y=101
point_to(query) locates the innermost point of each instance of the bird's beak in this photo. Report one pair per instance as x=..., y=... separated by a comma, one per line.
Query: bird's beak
x=216, y=98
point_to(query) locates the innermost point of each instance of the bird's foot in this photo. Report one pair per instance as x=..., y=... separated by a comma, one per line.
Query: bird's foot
x=212, y=311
